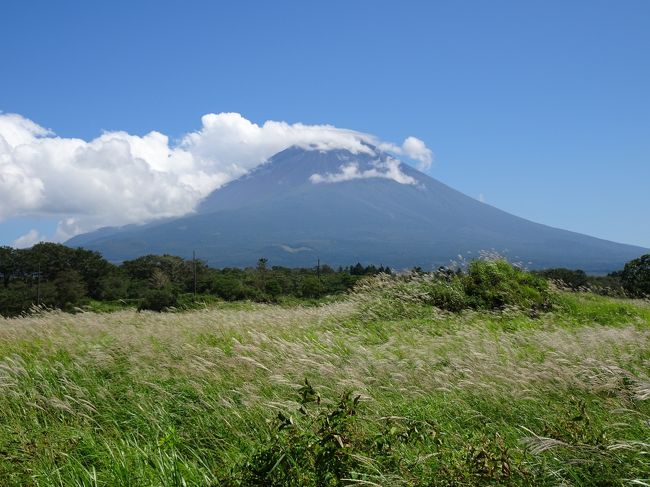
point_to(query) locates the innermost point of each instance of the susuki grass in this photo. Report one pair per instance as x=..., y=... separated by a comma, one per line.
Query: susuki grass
x=380, y=389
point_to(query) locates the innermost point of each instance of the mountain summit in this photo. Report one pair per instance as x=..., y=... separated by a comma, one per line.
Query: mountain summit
x=344, y=207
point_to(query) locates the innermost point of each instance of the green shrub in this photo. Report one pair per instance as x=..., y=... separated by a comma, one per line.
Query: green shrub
x=445, y=293
x=497, y=284
x=324, y=444
x=486, y=285
x=568, y=278
x=159, y=300
x=109, y=306
x=635, y=277
x=316, y=448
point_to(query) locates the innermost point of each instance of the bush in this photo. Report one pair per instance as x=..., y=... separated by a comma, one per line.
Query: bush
x=635, y=277
x=572, y=279
x=315, y=448
x=329, y=444
x=188, y=301
x=409, y=296
x=445, y=293
x=496, y=284
x=158, y=300
x=487, y=285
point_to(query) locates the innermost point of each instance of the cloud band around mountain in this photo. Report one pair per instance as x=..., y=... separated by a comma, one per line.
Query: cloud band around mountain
x=119, y=178
x=388, y=169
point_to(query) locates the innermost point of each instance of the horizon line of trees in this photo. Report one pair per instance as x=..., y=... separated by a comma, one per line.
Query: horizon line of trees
x=57, y=276
x=53, y=275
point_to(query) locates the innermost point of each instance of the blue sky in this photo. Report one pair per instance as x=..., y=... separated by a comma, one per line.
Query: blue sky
x=540, y=108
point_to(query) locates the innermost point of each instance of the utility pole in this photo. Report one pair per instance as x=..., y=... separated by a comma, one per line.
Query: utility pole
x=38, y=286
x=318, y=274
x=194, y=271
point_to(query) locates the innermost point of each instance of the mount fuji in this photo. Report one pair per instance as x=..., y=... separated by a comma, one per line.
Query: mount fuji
x=345, y=207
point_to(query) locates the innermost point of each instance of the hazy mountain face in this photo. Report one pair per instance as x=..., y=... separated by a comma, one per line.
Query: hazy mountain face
x=343, y=207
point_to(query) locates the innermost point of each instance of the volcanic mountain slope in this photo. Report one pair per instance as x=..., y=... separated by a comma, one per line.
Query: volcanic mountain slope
x=342, y=207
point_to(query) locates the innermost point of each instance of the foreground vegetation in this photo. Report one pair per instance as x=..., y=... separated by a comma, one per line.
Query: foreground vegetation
x=489, y=377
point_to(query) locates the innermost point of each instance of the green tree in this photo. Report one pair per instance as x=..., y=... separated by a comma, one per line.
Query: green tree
x=572, y=279
x=93, y=268
x=70, y=289
x=357, y=269
x=159, y=279
x=159, y=300
x=635, y=276
x=7, y=264
x=113, y=286
x=261, y=273
x=311, y=287
x=16, y=298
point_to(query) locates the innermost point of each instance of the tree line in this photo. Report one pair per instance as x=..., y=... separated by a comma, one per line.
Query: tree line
x=53, y=275
x=631, y=281
x=56, y=276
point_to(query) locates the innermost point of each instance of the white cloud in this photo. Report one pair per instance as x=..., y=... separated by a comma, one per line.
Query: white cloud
x=28, y=240
x=229, y=139
x=119, y=178
x=414, y=148
x=17, y=130
x=387, y=169
x=114, y=179
x=295, y=250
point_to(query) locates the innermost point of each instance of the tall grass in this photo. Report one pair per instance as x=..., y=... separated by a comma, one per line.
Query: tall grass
x=385, y=388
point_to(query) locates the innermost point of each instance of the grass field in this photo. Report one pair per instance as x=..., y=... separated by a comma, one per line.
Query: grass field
x=328, y=395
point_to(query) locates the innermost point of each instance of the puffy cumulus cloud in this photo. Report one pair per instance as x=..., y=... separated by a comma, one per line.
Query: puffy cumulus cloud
x=119, y=178
x=18, y=130
x=413, y=148
x=387, y=169
x=229, y=139
x=416, y=149
x=114, y=179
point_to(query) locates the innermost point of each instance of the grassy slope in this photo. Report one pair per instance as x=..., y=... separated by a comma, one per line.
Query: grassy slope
x=191, y=398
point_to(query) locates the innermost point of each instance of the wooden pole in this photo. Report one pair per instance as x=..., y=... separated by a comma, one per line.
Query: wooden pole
x=194, y=270
x=38, y=286
x=318, y=274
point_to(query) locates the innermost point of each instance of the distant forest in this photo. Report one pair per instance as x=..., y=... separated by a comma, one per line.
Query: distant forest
x=55, y=276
